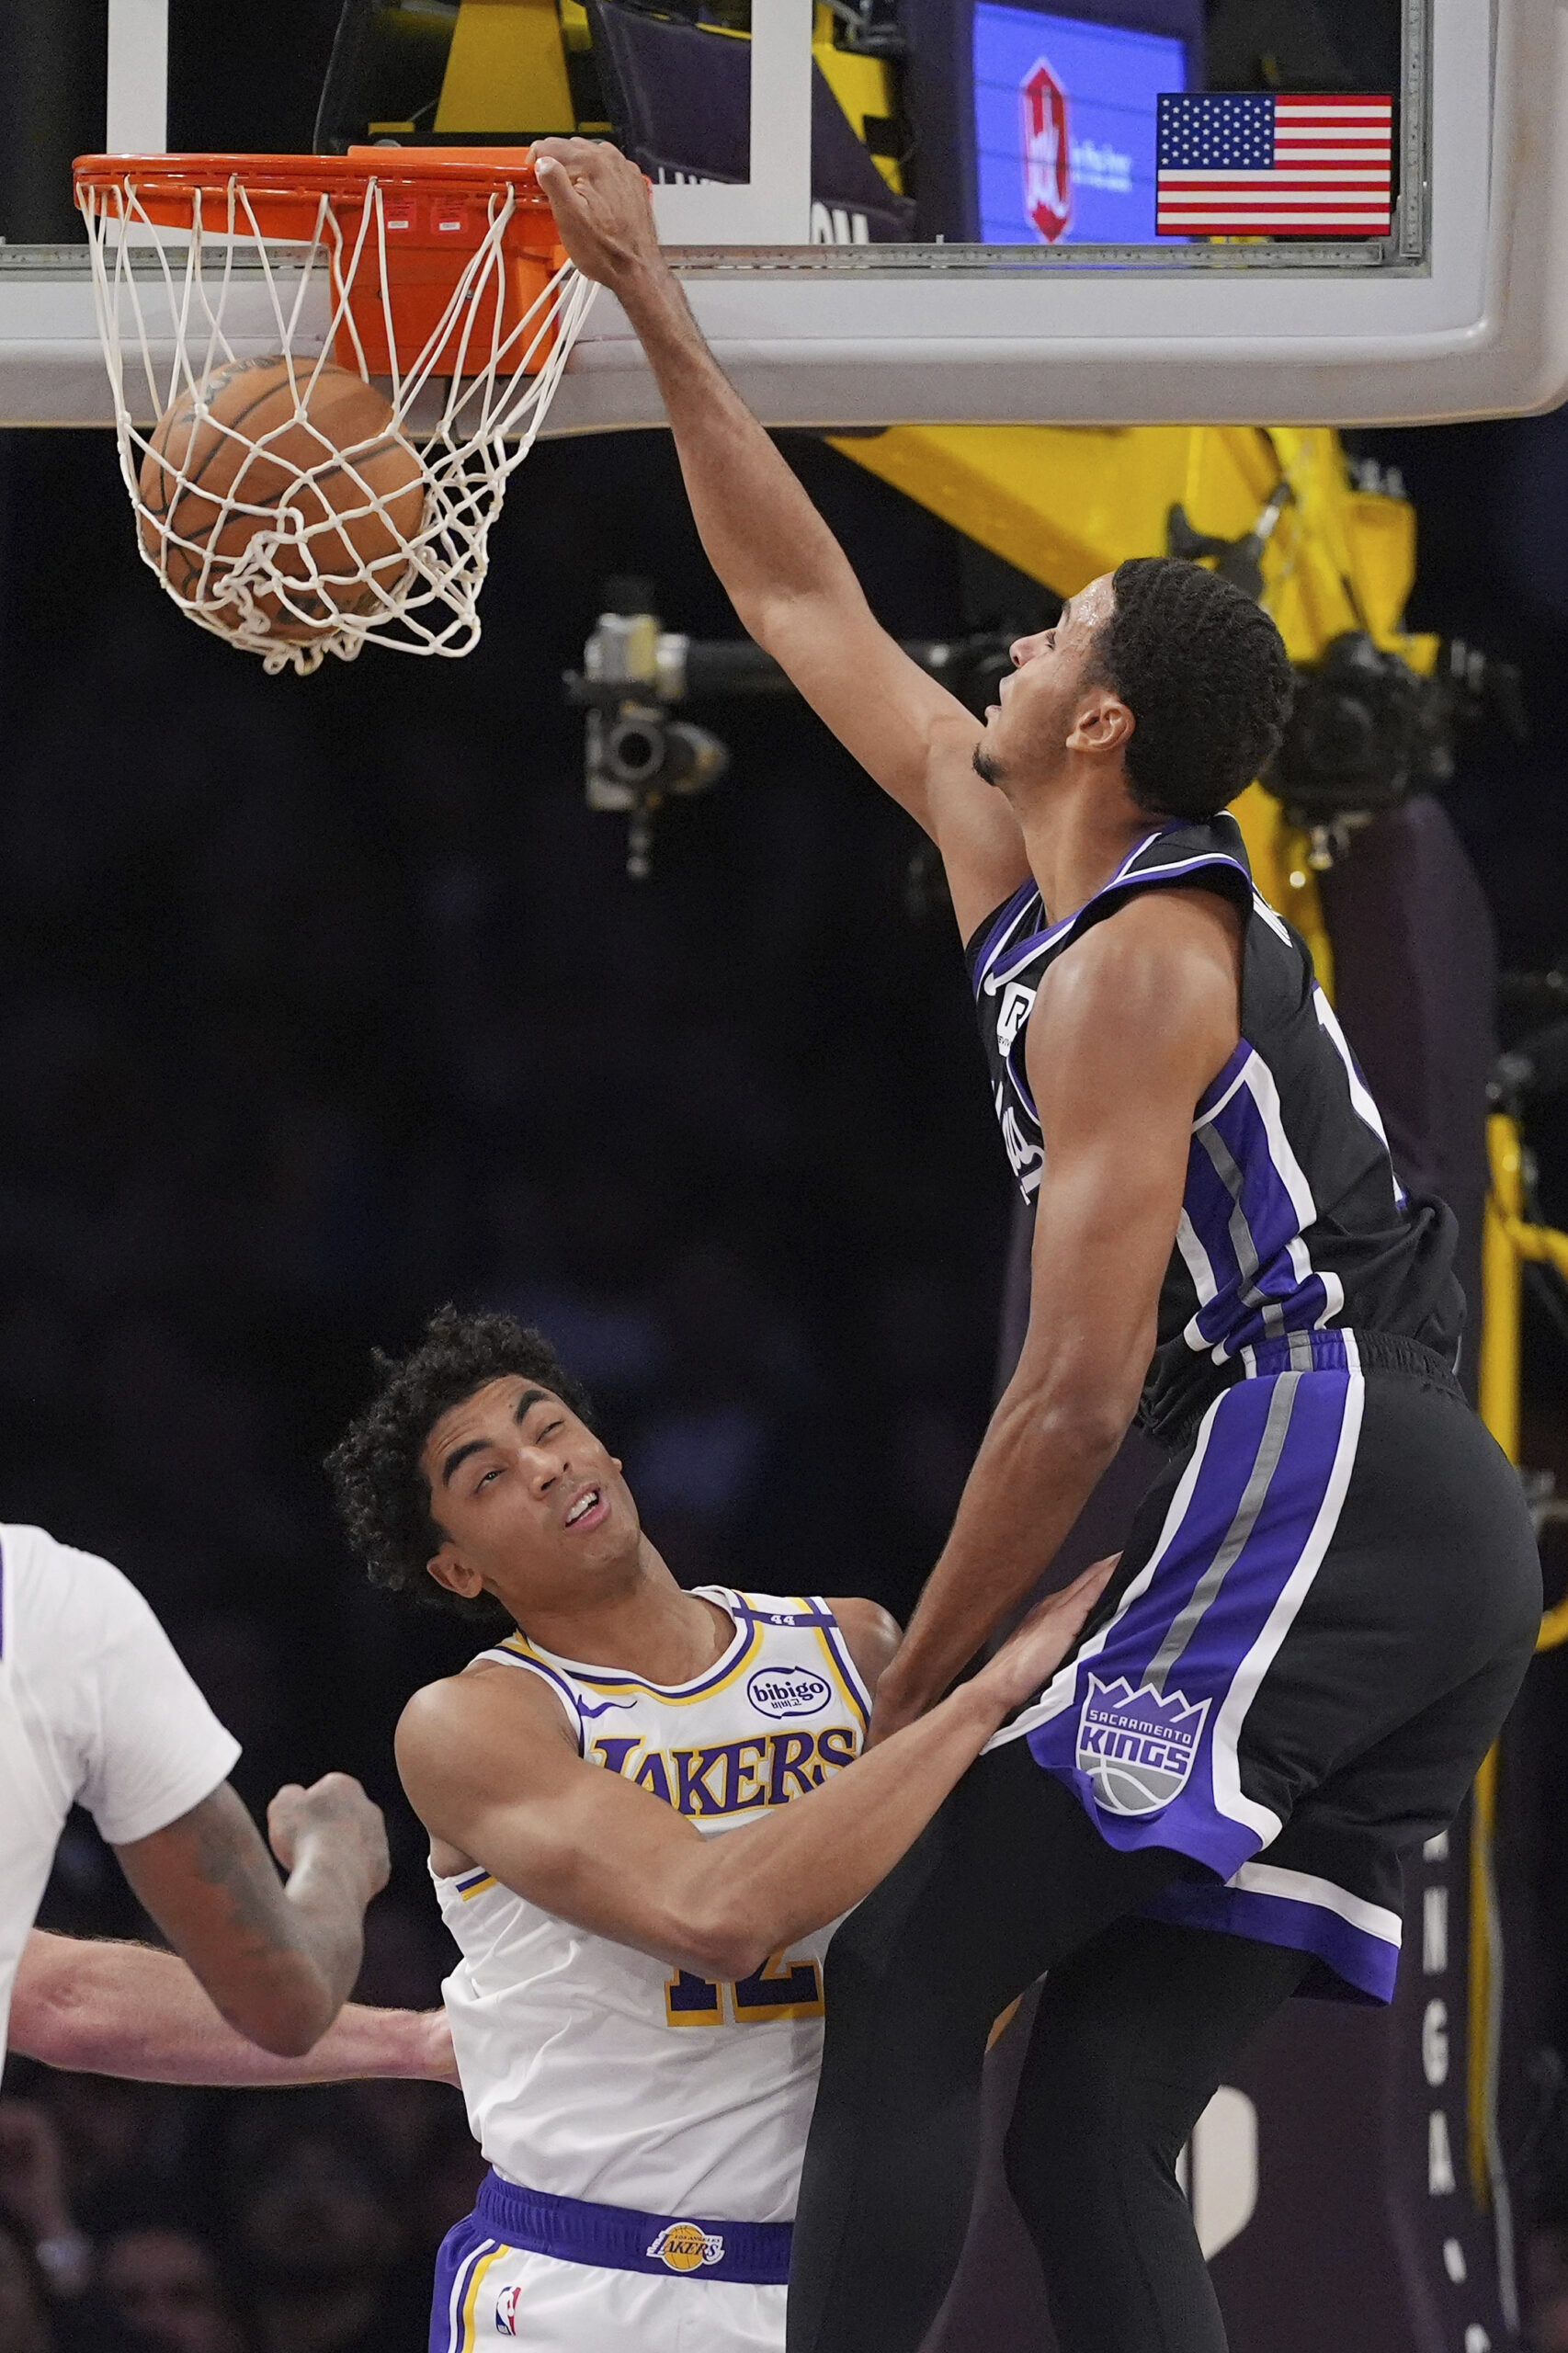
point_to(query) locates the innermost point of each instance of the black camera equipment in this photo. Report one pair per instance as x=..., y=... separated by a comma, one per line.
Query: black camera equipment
x=1367, y=731
x=637, y=755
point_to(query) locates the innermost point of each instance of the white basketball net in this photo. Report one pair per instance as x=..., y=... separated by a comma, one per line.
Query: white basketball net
x=174, y=304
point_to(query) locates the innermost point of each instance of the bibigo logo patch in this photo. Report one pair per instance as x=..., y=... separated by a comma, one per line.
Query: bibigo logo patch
x=788, y=1691
x=1138, y=1747
x=684, y=2246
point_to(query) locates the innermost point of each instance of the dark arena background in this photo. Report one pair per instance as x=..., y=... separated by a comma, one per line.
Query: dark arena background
x=327, y=999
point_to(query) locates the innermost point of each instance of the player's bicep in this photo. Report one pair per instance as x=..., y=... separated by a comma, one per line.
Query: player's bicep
x=498, y=1783
x=1120, y=1047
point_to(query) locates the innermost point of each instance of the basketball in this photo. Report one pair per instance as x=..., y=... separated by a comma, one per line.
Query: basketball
x=310, y=458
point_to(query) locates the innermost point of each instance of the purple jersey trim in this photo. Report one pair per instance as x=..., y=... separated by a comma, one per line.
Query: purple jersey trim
x=1351, y=1961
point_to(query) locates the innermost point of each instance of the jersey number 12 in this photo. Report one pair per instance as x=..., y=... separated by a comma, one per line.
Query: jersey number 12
x=779, y=1989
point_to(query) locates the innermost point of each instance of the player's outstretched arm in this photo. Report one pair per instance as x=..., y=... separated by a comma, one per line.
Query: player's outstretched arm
x=278, y=1960
x=125, y=2009
x=785, y=573
x=495, y=1774
x=1141, y=1015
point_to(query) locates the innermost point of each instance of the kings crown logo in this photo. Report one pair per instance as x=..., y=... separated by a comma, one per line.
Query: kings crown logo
x=686, y=2246
x=1138, y=1747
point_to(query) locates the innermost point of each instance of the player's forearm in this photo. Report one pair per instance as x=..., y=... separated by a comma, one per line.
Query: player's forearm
x=753, y=1893
x=1037, y=1467
x=123, y=2009
x=762, y=534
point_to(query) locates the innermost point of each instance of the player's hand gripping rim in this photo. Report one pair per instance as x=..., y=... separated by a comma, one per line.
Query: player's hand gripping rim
x=602, y=208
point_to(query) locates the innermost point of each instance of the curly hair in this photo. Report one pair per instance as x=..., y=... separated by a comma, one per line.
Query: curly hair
x=1205, y=674
x=382, y=1494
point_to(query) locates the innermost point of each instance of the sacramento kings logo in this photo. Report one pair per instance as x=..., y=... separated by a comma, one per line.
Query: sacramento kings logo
x=1138, y=1747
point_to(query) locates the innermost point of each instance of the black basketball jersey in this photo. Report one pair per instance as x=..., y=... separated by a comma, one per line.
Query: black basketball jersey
x=1292, y=1217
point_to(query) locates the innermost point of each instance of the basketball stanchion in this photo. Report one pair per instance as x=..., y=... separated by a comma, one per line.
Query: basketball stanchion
x=346, y=358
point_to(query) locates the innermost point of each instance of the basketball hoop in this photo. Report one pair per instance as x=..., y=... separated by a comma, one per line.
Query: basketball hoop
x=433, y=275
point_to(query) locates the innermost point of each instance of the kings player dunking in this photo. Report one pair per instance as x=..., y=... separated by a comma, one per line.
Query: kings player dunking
x=1327, y=1602
x=646, y=1813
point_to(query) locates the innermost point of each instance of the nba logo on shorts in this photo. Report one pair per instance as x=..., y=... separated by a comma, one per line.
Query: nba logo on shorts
x=506, y=2312
x=1138, y=1747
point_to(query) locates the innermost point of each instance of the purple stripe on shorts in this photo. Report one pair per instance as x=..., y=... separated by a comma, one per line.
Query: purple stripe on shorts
x=1136, y=1742
x=1365, y=1964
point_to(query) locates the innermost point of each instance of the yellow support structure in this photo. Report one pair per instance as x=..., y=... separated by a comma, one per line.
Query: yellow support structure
x=506, y=72
x=863, y=85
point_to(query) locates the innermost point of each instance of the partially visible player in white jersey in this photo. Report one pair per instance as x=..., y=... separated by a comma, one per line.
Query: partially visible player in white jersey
x=96, y=1708
x=646, y=1815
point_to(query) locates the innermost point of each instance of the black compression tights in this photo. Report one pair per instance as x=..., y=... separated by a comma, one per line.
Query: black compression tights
x=1136, y=2028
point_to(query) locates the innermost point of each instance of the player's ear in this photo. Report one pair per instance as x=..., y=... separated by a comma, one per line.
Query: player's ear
x=1104, y=723
x=450, y=1570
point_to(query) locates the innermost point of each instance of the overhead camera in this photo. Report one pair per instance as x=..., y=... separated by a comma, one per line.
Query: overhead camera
x=1367, y=731
x=635, y=672
x=637, y=756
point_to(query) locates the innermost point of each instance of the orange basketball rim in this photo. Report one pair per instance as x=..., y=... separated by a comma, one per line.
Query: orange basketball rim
x=436, y=274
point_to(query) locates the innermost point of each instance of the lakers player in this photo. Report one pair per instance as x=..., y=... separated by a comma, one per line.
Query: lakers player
x=645, y=1817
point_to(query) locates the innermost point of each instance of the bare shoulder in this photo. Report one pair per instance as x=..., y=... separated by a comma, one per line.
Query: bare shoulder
x=462, y=1719
x=1149, y=998
x=871, y=1636
x=1162, y=957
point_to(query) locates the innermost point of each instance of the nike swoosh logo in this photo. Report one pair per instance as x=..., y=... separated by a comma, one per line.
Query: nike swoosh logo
x=600, y=1707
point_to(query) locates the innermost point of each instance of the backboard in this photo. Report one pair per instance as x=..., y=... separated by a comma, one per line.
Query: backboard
x=907, y=210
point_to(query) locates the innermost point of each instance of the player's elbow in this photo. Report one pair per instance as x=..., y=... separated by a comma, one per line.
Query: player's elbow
x=721, y=1938
x=53, y=2021
x=1087, y=1427
x=288, y=2014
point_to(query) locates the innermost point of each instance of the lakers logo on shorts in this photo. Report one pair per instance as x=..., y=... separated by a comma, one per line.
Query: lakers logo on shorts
x=684, y=2247
x=1138, y=1747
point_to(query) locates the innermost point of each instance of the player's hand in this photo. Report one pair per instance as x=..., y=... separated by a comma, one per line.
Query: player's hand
x=1024, y=1665
x=332, y=1822
x=1038, y=1643
x=602, y=208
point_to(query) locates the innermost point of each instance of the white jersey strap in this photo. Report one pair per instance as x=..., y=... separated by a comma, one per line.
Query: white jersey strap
x=558, y=1684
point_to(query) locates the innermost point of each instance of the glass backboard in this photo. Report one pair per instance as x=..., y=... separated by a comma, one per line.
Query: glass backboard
x=942, y=209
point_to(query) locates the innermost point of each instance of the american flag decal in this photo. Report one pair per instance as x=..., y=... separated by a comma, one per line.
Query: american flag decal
x=1240, y=165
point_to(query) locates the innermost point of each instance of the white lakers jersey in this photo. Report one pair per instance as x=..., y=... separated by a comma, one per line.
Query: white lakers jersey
x=591, y=2071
